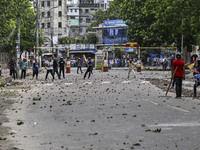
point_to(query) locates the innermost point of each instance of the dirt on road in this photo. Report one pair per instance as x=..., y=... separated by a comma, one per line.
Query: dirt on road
x=163, y=84
x=7, y=93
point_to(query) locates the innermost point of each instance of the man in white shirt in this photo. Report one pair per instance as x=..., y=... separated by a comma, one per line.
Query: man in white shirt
x=49, y=68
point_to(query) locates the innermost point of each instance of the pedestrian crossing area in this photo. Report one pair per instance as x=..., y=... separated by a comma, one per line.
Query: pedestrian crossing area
x=101, y=82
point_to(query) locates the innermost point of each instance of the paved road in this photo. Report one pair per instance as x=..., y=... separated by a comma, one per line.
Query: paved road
x=106, y=112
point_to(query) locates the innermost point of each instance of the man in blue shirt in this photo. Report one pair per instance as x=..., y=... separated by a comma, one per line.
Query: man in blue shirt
x=24, y=66
x=197, y=82
x=89, y=69
x=35, y=69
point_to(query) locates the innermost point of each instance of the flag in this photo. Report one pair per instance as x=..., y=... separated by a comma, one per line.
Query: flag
x=191, y=66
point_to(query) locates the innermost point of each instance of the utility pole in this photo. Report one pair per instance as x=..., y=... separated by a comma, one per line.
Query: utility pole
x=18, y=45
x=52, y=29
x=18, y=41
x=37, y=29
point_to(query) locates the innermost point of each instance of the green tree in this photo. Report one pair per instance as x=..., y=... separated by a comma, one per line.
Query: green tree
x=161, y=22
x=91, y=38
x=11, y=11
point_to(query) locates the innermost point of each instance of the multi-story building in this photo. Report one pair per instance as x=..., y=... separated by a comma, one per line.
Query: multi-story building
x=61, y=18
x=52, y=17
x=72, y=18
x=86, y=9
x=79, y=15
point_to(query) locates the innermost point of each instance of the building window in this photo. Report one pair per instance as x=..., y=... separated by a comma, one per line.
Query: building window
x=81, y=11
x=87, y=11
x=43, y=14
x=48, y=14
x=48, y=25
x=80, y=30
x=80, y=20
x=72, y=17
x=59, y=24
x=73, y=30
x=42, y=4
x=75, y=10
x=87, y=20
x=71, y=10
x=48, y=3
x=42, y=25
x=59, y=3
x=60, y=14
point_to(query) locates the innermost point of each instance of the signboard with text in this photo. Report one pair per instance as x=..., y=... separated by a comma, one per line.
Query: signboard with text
x=77, y=47
x=113, y=22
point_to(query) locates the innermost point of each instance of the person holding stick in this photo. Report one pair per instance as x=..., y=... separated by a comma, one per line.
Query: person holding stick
x=179, y=66
x=131, y=67
x=89, y=68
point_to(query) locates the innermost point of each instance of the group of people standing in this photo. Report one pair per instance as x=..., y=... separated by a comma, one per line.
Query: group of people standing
x=53, y=66
x=14, y=70
x=58, y=67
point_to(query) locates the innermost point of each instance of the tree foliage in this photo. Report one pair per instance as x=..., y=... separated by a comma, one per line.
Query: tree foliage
x=161, y=22
x=12, y=11
x=90, y=39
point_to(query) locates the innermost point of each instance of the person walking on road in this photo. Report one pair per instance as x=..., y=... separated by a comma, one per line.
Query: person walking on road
x=197, y=82
x=179, y=66
x=55, y=68
x=24, y=67
x=89, y=68
x=131, y=68
x=79, y=65
x=62, y=67
x=35, y=69
x=50, y=69
x=12, y=67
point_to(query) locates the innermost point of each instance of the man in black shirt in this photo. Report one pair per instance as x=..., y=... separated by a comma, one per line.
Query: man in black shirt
x=79, y=64
x=55, y=67
x=12, y=66
x=62, y=67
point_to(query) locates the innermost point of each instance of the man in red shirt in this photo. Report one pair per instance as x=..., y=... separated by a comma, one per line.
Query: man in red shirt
x=180, y=73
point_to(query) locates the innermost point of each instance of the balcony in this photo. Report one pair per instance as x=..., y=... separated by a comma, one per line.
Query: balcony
x=88, y=5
